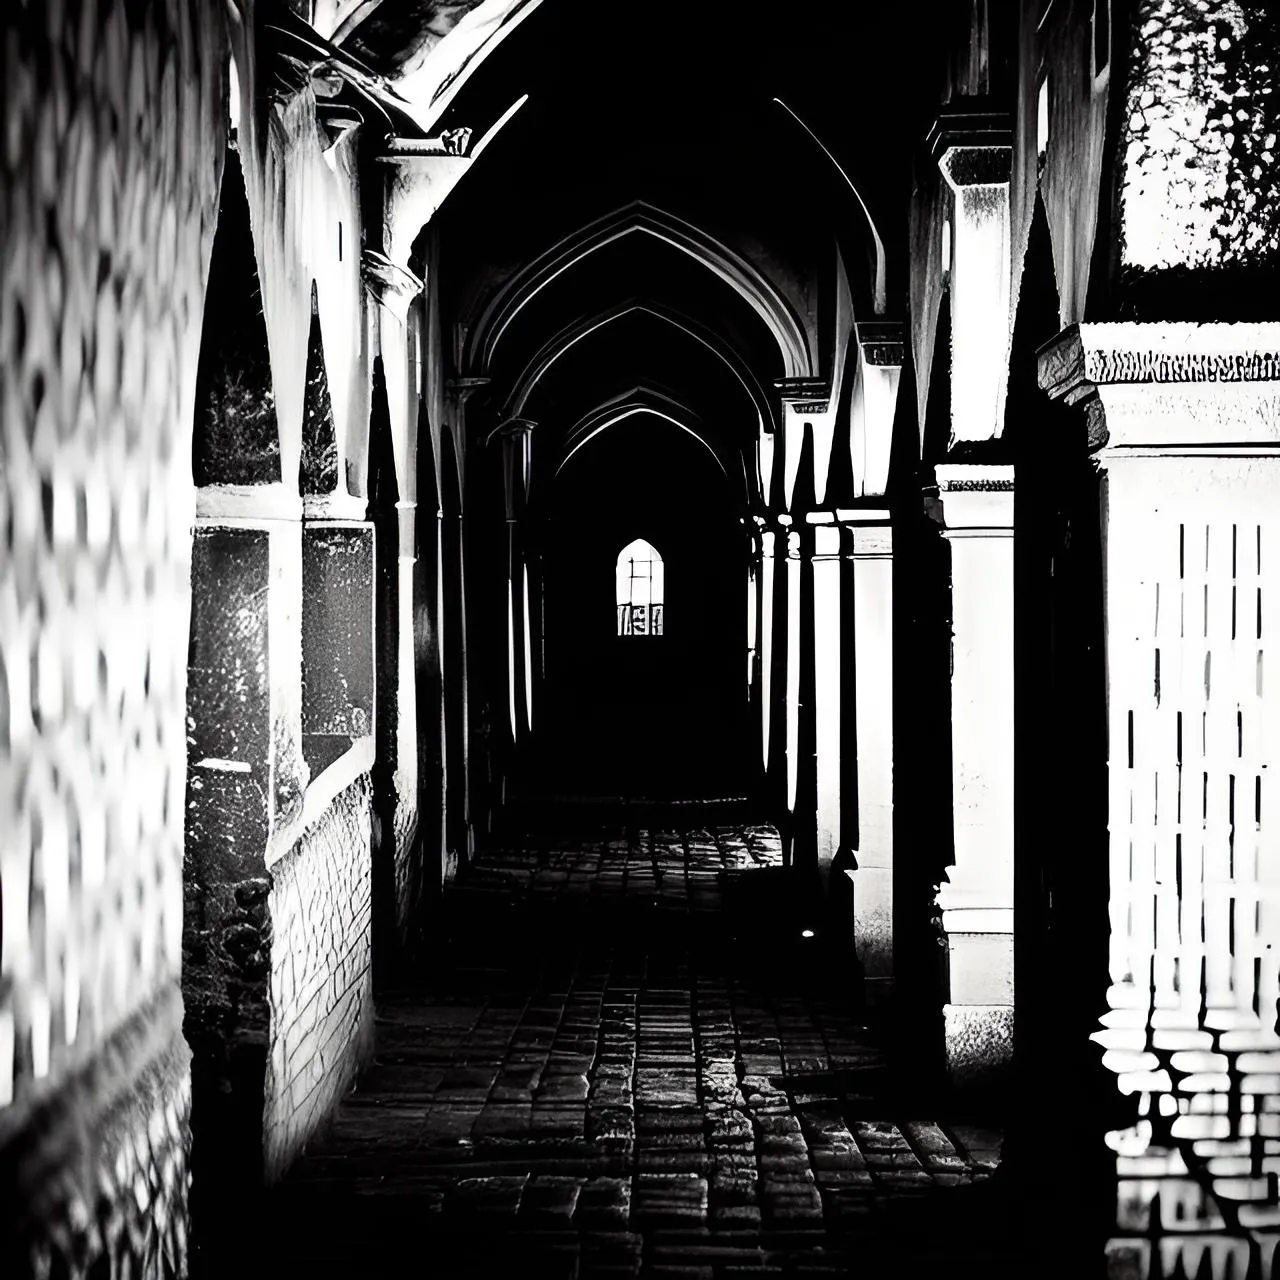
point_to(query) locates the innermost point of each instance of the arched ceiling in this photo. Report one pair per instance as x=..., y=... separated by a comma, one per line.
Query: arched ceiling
x=668, y=210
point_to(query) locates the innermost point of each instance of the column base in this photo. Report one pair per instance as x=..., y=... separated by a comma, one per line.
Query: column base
x=979, y=1040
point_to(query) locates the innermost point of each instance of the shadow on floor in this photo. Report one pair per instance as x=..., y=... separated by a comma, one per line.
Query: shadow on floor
x=624, y=1058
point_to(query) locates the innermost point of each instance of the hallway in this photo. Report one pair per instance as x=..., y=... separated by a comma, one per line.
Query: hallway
x=631, y=1062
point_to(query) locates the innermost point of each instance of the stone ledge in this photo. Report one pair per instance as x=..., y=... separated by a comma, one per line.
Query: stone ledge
x=1130, y=351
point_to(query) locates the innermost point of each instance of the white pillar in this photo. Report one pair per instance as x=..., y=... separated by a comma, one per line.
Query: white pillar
x=974, y=152
x=753, y=619
x=767, y=539
x=791, y=710
x=1184, y=421
x=977, y=904
x=827, y=642
x=872, y=554
x=517, y=472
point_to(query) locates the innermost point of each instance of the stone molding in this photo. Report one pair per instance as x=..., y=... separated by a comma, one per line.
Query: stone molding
x=247, y=503
x=972, y=500
x=1172, y=388
x=449, y=142
x=972, y=147
x=881, y=342
x=390, y=285
x=804, y=395
x=870, y=541
x=321, y=792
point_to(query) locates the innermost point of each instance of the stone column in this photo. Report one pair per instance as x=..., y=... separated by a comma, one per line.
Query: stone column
x=805, y=408
x=1182, y=421
x=870, y=549
x=516, y=438
x=753, y=609
x=974, y=153
x=827, y=697
x=768, y=538
x=791, y=682
x=394, y=290
x=975, y=510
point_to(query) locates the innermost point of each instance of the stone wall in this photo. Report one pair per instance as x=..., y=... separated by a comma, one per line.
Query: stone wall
x=113, y=116
x=321, y=986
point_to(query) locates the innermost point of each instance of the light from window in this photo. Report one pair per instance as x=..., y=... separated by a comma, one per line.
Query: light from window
x=639, y=580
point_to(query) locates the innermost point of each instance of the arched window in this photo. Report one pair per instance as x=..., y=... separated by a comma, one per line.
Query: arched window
x=639, y=590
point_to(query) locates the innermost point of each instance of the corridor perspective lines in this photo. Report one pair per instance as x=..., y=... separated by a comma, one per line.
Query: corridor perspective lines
x=628, y=1062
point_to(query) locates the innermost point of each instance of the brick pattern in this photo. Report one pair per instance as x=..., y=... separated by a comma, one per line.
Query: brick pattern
x=1195, y=901
x=103, y=1163
x=321, y=992
x=622, y=1070
x=112, y=117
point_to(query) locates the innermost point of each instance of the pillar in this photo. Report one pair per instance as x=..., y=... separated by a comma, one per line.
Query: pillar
x=394, y=290
x=768, y=538
x=791, y=671
x=870, y=551
x=805, y=409
x=827, y=701
x=1181, y=422
x=975, y=510
x=974, y=153
x=516, y=438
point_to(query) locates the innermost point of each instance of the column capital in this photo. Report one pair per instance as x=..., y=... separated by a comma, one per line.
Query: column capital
x=972, y=144
x=972, y=500
x=1170, y=388
x=516, y=436
x=512, y=428
x=419, y=175
x=391, y=286
x=337, y=122
x=880, y=342
x=804, y=395
x=462, y=389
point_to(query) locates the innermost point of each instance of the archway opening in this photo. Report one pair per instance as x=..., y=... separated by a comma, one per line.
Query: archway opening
x=640, y=524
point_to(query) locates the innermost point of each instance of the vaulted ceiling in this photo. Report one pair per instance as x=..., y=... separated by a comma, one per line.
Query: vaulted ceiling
x=681, y=208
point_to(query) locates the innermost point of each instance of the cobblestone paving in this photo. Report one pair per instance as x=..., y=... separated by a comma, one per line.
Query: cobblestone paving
x=629, y=1062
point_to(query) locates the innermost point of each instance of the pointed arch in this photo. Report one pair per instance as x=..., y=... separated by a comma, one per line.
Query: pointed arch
x=568, y=337
x=236, y=436
x=641, y=218
x=875, y=244
x=318, y=463
x=639, y=400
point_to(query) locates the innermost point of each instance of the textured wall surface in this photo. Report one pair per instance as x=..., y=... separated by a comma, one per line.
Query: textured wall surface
x=321, y=988
x=1195, y=880
x=113, y=135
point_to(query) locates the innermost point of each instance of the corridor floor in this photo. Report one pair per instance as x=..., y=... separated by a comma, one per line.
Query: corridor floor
x=628, y=1061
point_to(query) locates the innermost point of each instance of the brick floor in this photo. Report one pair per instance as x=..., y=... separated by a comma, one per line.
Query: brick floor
x=630, y=1063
